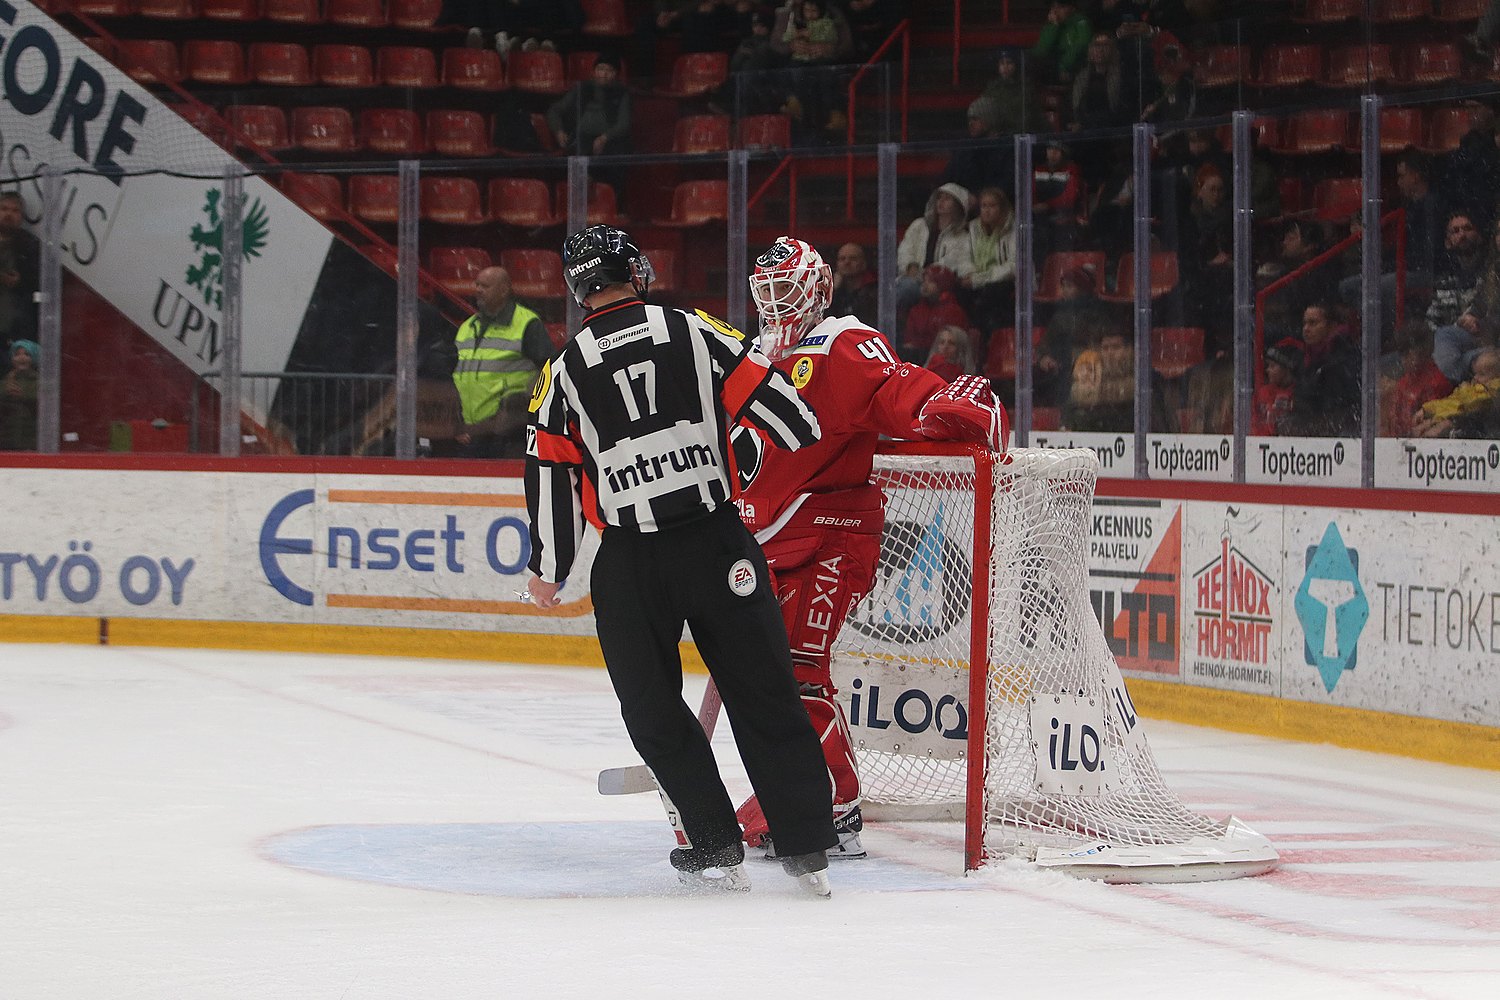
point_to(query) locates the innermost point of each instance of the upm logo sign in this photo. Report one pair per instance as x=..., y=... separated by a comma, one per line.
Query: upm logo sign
x=391, y=550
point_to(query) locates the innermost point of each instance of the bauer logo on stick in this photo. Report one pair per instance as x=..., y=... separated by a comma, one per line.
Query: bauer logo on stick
x=742, y=578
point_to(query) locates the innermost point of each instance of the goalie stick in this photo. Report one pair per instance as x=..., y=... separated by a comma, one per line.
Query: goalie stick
x=636, y=779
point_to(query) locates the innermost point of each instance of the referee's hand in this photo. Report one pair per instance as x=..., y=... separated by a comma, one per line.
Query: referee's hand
x=543, y=594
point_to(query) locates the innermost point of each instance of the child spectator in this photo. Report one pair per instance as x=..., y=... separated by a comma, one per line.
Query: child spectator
x=952, y=354
x=18, y=398
x=936, y=309
x=1419, y=382
x=1273, y=400
x=1057, y=197
x=1457, y=414
x=939, y=236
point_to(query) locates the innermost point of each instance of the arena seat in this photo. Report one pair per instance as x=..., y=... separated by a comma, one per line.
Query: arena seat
x=206, y=120
x=664, y=266
x=1222, y=65
x=1400, y=128
x=344, y=65
x=1446, y=127
x=324, y=130
x=1175, y=349
x=1308, y=133
x=375, y=197
x=393, y=131
x=1046, y=418
x=282, y=64
x=606, y=19
x=320, y=195
x=455, y=268
x=105, y=8
x=1429, y=63
x=1336, y=197
x=537, y=72
x=1348, y=66
x=355, y=13
x=534, y=273
x=765, y=132
x=167, y=10
x=209, y=61
x=697, y=73
x=261, y=125
x=149, y=60
x=473, y=69
x=452, y=201
x=1401, y=11
x=603, y=205
x=1000, y=358
x=1163, y=277
x=521, y=201
x=459, y=133
x=1459, y=11
x=695, y=203
x=416, y=15
x=229, y=10
x=406, y=66
x=1049, y=287
x=701, y=134
x=1290, y=65
x=292, y=11
x=1326, y=11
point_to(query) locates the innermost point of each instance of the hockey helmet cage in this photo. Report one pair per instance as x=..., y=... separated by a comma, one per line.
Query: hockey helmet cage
x=792, y=287
x=600, y=256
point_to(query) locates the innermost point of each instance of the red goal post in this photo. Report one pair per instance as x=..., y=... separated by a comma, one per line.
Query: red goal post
x=983, y=562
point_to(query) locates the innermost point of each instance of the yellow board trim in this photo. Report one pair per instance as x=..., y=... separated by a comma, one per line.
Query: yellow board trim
x=1460, y=743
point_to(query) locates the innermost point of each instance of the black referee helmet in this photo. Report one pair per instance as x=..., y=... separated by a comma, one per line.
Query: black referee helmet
x=600, y=256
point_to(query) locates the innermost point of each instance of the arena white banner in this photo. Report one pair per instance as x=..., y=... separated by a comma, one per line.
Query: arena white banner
x=1134, y=572
x=1437, y=464
x=1299, y=461
x=1232, y=596
x=1190, y=456
x=148, y=243
x=1116, y=451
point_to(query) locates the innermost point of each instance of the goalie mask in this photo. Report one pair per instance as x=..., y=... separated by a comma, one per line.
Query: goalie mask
x=600, y=256
x=792, y=287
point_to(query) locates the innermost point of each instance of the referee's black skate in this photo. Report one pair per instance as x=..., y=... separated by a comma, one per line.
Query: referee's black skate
x=811, y=870
x=721, y=870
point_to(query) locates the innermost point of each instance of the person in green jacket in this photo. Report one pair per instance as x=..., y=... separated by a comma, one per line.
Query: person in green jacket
x=1063, y=44
x=18, y=398
x=501, y=348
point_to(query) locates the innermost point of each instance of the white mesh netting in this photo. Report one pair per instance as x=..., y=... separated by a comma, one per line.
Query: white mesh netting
x=1066, y=761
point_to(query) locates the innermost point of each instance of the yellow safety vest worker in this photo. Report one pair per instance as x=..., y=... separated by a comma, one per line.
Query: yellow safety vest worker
x=490, y=363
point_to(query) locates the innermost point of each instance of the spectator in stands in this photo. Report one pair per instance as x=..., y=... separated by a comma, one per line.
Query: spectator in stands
x=1478, y=326
x=501, y=348
x=1078, y=321
x=1205, y=257
x=871, y=23
x=1014, y=101
x=1102, y=396
x=855, y=286
x=1456, y=279
x=1301, y=241
x=988, y=290
x=1273, y=400
x=1111, y=210
x=1471, y=178
x=1061, y=48
x=939, y=236
x=814, y=34
x=593, y=117
x=953, y=354
x=1470, y=410
x=1209, y=404
x=752, y=88
x=1057, y=199
x=1176, y=95
x=20, y=272
x=1419, y=380
x=18, y=398
x=1326, y=399
x=1424, y=224
x=984, y=161
x=935, y=309
x=1100, y=99
x=1200, y=148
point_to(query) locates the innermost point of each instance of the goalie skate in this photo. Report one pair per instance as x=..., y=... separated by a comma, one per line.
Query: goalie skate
x=847, y=825
x=712, y=871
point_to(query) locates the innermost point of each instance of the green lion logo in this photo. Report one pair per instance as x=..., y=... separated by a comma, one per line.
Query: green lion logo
x=208, y=274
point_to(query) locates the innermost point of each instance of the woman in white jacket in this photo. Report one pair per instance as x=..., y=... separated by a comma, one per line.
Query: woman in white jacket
x=940, y=236
x=988, y=290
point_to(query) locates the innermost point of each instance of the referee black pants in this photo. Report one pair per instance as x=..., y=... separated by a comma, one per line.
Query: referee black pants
x=645, y=586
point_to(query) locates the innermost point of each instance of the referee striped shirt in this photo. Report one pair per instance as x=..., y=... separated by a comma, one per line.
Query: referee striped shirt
x=630, y=425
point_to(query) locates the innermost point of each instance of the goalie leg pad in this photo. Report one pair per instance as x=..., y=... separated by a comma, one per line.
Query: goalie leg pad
x=833, y=733
x=817, y=595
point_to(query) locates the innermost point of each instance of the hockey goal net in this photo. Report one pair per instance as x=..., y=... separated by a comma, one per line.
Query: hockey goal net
x=977, y=680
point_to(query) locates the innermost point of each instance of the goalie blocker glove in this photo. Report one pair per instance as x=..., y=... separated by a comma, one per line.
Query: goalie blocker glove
x=966, y=410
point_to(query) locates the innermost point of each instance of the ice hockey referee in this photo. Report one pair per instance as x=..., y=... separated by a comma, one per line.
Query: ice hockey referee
x=630, y=428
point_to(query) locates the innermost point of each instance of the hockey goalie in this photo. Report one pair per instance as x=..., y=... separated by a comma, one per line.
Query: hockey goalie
x=815, y=512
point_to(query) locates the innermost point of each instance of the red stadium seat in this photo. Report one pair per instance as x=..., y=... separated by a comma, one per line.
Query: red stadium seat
x=473, y=69
x=459, y=133
x=1000, y=360
x=1326, y=11
x=1357, y=66
x=407, y=66
x=1163, y=277
x=581, y=67
x=534, y=274
x=606, y=19
x=149, y=60
x=701, y=134
x=355, y=13
x=103, y=46
x=394, y=131
x=521, y=201
x=697, y=73
x=259, y=125
x=207, y=61
x=1223, y=65
x=1401, y=11
x=206, y=120
x=603, y=206
x=1446, y=127
x=1400, y=128
x=1290, y=65
x=319, y=195
x=695, y=203
x=1459, y=11
x=1312, y=132
x=105, y=8
x=167, y=10
x=765, y=132
x=344, y=65
x=375, y=197
x=1046, y=418
x=664, y=266
x=324, y=130
x=558, y=333
x=292, y=11
x=229, y=10
x=1049, y=287
x=1430, y=63
x=451, y=200
x=537, y=72
x=284, y=64
x=456, y=267
x=415, y=15
x=1336, y=197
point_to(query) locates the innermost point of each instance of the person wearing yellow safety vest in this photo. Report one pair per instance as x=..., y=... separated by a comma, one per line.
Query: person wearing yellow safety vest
x=500, y=350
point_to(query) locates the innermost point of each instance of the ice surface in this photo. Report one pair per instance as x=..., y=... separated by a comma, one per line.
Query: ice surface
x=193, y=824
